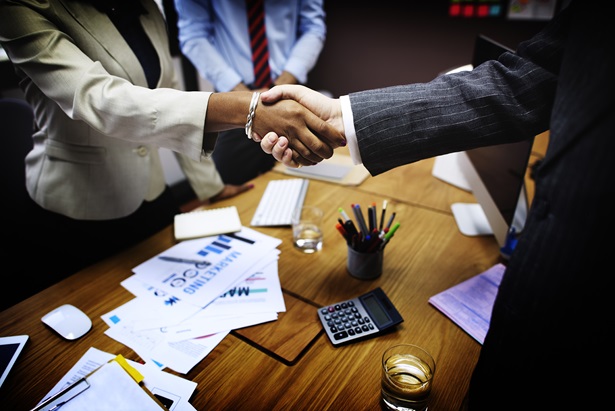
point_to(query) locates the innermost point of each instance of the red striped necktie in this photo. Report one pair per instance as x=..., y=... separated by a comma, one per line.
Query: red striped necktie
x=258, y=43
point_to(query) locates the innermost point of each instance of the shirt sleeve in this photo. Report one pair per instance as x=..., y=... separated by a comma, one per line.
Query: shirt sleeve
x=310, y=40
x=197, y=32
x=349, y=131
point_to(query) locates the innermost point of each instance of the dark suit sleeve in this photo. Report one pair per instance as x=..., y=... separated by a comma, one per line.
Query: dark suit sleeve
x=500, y=101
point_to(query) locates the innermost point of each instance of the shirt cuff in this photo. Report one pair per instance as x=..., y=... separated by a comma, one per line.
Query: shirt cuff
x=349, y=131
x=209, y=143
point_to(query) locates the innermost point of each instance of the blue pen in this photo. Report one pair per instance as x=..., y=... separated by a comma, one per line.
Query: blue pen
x=359, y=215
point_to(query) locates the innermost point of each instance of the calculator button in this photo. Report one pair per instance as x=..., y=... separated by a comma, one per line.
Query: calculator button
x=340, y=335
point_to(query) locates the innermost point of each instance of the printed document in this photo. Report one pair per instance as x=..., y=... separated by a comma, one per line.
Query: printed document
x=469, y=304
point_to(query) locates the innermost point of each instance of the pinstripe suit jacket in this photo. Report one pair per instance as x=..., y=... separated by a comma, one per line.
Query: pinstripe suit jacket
x=554, y=300
x=98, y=126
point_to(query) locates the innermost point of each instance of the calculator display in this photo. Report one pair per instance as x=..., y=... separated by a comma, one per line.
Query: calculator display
x=358, y=318
x=375, y=310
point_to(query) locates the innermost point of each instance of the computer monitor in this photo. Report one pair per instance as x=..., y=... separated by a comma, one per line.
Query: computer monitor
x=496, y=174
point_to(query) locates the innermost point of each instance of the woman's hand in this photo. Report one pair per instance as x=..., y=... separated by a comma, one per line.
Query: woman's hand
x=291, y=152
x=230, y=190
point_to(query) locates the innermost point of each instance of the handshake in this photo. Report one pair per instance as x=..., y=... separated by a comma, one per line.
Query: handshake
x=311, y=141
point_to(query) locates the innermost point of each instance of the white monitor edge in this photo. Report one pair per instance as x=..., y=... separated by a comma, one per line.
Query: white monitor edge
x=498, y=225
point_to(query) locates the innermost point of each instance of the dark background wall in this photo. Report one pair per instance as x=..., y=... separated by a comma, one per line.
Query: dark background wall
x=390, y=42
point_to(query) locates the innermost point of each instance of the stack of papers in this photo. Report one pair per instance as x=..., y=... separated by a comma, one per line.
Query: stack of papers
x=189, y=297
x=170, y=390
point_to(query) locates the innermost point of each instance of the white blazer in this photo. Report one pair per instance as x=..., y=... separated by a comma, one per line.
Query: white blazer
x=98, y=125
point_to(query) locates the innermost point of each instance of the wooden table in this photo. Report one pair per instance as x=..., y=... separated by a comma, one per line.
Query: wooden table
x=290, y=363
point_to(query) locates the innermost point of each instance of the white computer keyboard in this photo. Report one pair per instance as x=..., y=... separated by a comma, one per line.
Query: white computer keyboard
x=279, y=200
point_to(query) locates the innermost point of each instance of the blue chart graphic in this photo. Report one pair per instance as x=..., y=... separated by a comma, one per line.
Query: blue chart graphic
x=222, y=244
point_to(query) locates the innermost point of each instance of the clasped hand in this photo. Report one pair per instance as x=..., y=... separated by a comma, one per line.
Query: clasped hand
x=295, y=151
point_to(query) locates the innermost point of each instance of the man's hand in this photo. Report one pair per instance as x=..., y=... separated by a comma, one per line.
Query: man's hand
x=285, y=149
x=278, y=147
x=310, y=137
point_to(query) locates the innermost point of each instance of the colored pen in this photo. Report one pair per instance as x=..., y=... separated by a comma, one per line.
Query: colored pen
x=391, y=232
x=384, y=210
x=391, y=220
x=371, y=215
x=184, y=260
x=389, y=235
x=350, y=227
x=374, y=242
x=356, y=208
x=343, y=213
x=343, y=232
x=58, y=400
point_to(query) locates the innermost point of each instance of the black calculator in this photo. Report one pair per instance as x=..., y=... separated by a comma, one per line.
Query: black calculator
x=358, y=318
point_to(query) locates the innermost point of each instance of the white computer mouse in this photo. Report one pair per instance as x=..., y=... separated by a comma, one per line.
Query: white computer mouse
x=68, y=321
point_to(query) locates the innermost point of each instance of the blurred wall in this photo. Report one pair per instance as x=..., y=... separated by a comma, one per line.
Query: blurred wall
x=396, y=42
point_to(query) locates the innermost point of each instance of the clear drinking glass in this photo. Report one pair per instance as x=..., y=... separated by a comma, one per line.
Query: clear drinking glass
x=407, y=376
x=307, y=231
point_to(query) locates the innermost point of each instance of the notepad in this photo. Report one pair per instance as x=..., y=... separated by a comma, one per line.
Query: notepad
x=203, y=223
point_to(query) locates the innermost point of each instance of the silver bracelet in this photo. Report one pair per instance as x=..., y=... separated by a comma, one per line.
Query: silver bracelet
x=253, y=104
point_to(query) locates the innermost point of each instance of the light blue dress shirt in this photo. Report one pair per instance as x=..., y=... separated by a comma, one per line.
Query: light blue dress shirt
x=214, y=36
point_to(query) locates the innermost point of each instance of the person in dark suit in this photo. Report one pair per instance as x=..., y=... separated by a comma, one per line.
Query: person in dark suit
x=548, y=338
